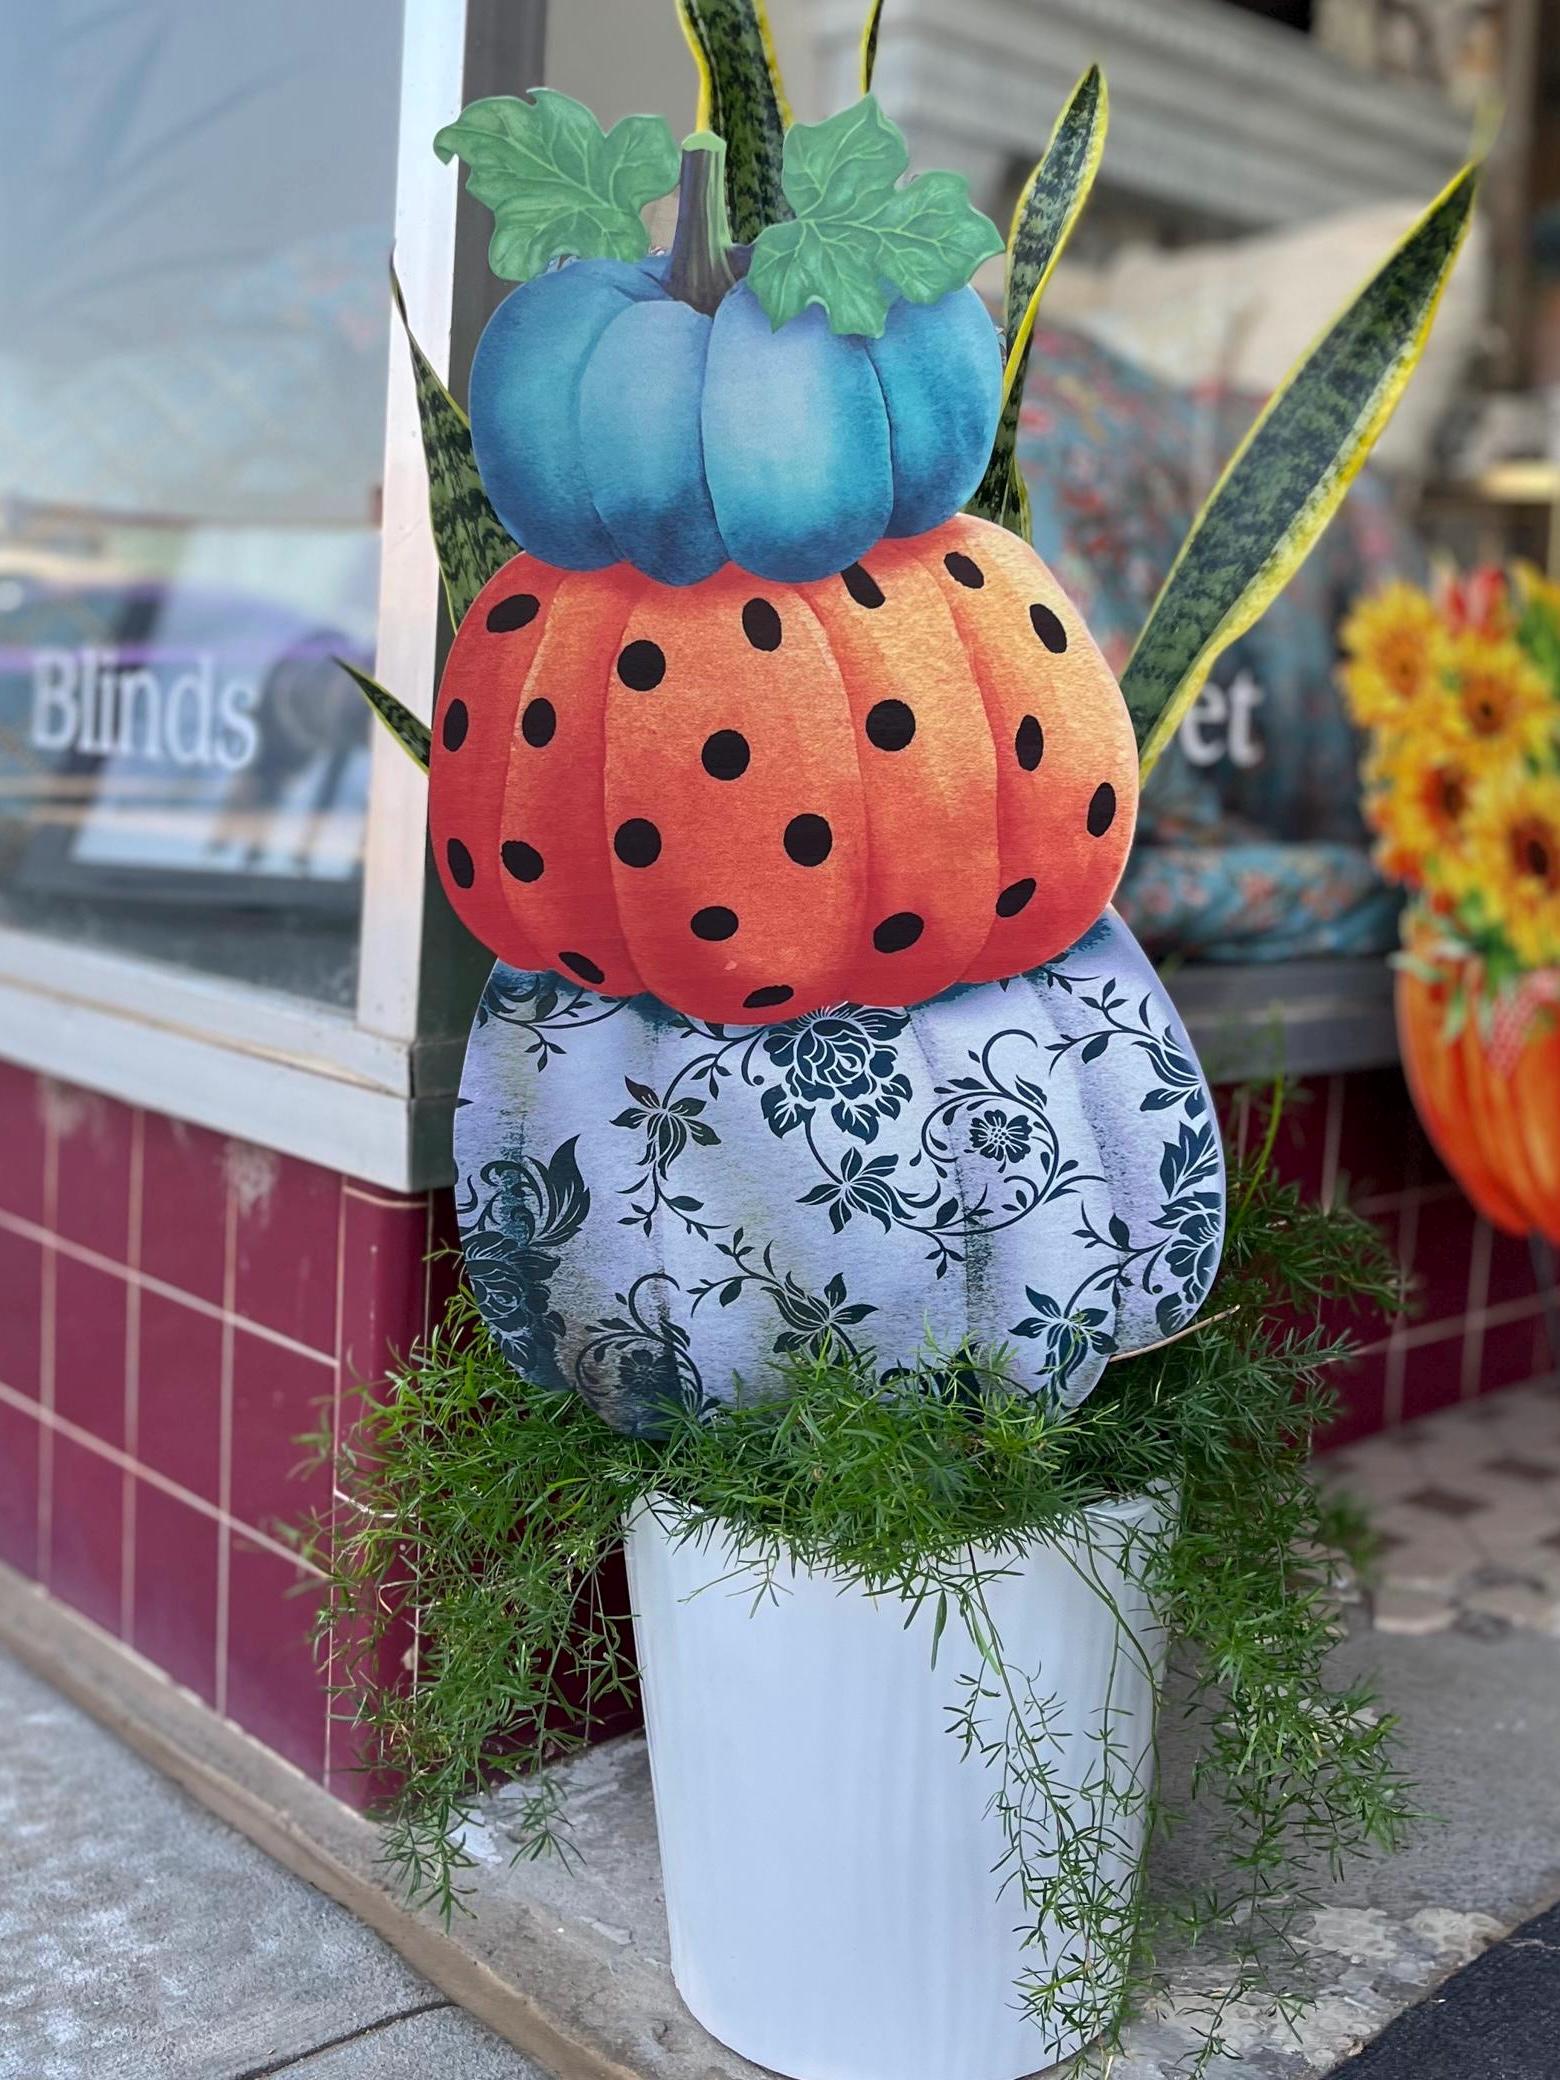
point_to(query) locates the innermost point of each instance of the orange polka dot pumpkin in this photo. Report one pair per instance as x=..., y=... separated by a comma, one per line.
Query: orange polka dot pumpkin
x=754, y=799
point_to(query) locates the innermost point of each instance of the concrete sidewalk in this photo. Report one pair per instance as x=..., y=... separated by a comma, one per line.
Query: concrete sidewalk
x=141, y=1939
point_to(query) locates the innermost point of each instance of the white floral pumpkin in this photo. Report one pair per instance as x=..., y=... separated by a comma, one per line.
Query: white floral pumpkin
x=656, y=1210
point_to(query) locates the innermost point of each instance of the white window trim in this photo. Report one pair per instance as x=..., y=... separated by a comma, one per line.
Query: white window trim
x=370, y=1091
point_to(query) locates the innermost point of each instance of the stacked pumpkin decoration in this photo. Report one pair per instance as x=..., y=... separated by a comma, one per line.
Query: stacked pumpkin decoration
x=786, y=784
x=781, y=789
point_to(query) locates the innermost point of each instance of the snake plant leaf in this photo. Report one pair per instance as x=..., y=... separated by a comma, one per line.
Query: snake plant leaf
x=1288, y=476
x=403, y=725
x=870, y=30
x=857, y=234
x=559, y=186
x=1043, y=218
x=471, y=541
x=741, y=98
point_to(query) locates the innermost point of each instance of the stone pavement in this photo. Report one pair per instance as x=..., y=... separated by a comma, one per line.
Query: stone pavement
x=1464, y=1506
x=141, y=1939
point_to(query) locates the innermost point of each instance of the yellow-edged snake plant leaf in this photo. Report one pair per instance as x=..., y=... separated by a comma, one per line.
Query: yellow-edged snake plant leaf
x=742, y=99
x=1043, y=219
x=870, y=29
x=1286, y=479
x=471, y=541
x=403, y=725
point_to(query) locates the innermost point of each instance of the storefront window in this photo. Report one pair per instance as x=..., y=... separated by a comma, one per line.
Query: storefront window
x=196, y=210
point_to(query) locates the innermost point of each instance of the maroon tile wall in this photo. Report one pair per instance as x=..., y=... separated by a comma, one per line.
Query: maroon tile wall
x=1479, y=1317
x=90, y=1347
x=273, y=1685
x=82, y=1526
x=171, y=1586
x=178, y=1392
x=184, y=1193
x=176, y=1308
x=18, y=1485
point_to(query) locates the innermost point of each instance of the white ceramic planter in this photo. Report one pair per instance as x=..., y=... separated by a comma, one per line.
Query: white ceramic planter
x=828, y=1851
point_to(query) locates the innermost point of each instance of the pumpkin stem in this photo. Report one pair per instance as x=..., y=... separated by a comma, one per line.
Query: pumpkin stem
x=700, y=270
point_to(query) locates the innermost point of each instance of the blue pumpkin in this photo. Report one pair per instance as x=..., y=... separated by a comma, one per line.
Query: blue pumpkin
x=613, y=423
x=656, y=1210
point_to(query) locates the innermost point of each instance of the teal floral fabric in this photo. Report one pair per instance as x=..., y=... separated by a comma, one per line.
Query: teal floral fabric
x=655, y=1210
x=1259, y=902
x=1238, y=860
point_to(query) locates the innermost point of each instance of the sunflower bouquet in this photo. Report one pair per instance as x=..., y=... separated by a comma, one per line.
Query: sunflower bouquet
x=1459, y=692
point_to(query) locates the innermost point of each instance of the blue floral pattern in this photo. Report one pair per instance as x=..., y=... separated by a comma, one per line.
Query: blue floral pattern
x=657, y=1210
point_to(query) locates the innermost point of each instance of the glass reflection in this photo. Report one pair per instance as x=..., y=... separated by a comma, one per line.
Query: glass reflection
x=196, y=206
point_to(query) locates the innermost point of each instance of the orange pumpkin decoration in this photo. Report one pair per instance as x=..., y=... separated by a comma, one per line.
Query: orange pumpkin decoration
x=755, y=799
x=1489, y=1102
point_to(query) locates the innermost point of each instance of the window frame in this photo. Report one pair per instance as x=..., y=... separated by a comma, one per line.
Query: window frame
x=368, y=1090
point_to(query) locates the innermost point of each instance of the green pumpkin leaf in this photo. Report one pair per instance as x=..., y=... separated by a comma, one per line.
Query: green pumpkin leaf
x=559, y=186
x=1288, y=476
x=870, y=30
x=403, y=725
x=834, y=166
x=797, y=268
x=742, y=99
x=856, y=230
x=937, y=238
x=470, y=539
x=1043, y=218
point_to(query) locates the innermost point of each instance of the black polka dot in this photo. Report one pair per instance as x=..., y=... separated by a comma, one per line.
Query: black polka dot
x=895, y=933
x=462, y=870
x=1014, y=897
x=518, y=611
x=717, y=922
x=457, y=720
x=523, y=861
x=725, y=755
x=890, y=725
x=1102, y=810
x=581, y=965
x=964, y=570
x=863, y=588
x=761, y=625
x=1029, y=743
x=808, y=840
x=637, y=843
x=1047, y=627
x=538, y=723
x=766, y=999
x=642, y=666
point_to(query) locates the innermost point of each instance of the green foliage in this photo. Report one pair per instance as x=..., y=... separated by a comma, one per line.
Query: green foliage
x=471, y=541
x=403, y=725
x=1043, y=218
x=492, y=1510
x=742, y=99
x=855, y=229
x=1289, y=475
x=559, y=186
